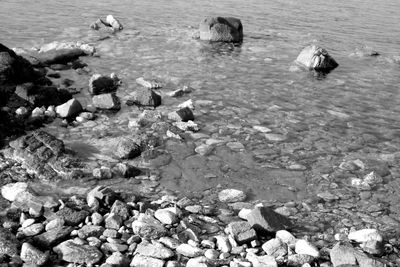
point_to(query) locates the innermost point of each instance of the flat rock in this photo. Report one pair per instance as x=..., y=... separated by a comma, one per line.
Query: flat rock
x=90, y=230
x=342, y=254
x=10, y=191
x=72, y=217
x=231, y=195
x=201, y=261
x=166, y=216
x=146, y=97
x=75, y=253
x=275, y=248
x=264, y=220
x=305, y=247
x=146, y=261
x=189, y=251
x=32, y=255
x=53, y=236
x=242, y=232
x=155, y=250
x=106, y=101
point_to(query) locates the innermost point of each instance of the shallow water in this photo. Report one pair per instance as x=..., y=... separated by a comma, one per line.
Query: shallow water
x=350, y=113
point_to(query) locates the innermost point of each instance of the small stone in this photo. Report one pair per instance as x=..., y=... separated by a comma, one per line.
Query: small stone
x=146, y=97
x=199, y=262
x=21, y=111
x=286, y=237
x=371, y=240
x=231, y=195
x=90, y=230
x=113, y=221
x=55, y=223
x=117, y=259
x=106, y=101
x=127, y=149
x=342, y=254
x=148, y=226
x=10, y=191
x=9, y=245
x=102, y=173
x=223, y=244
x=75, y=253
x=317, y=58
x=33, y=229
x=305, y=247
x=242, y=232
x=53, y=236
x=166, y=216
x=262, y=129
x=72, y=217
x=37, y=112
x=115, y=24
x=155, y=250
x=183, y=114
x=275, y=247
x=69, y=109
x=189, y=251
x=145, y=261
x=32, y=255
x=261, y=261
x=298, y=260
x=211, y=254
x=275, y=137
x=99, y=84
x=264, y=220
x=187, y=104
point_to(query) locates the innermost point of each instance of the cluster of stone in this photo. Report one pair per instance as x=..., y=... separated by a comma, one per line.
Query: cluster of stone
x=109, y=229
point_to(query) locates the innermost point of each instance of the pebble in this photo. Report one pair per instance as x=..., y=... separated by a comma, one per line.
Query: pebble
x=189, y=251
x=231, y=195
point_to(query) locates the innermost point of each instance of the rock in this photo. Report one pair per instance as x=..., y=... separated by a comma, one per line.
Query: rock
x=305, y=247
x=261, y=261
x=166, y=216
x=106, y=101
x=298, y=260
x=121, y=209
x=221, y=29
x=9, y=244
x=231, y=195
x=127, y=149
x=199, y=262
x=148, y=117
x=69, y=109
x=148, y=84
x=114, y=23
x=371, y=240
x=189, y=251
x=32, y=255
x=113, y=221
x=90, y=230
x=187, y=126
x=211, y=254
x=21, y=111
x=170, y=242
x=126, y=170
x=183, y=114
x=155, y=250
x=10, y=191
x=149, y=227
x=117, y=259
x=102, y=195
x=223, y=244
x=102, y=173
x=72, y=217
x=286, y=237
x=145, y=97
x=82, y=254
x=314, y=57
x=264, y=220
x=145, y=261
x=99, y=84
x=242, y=232
x=187, y=104
x=275, y=248
x=37, y=112
x=52, y=237
x=343, y=254
x=33, y=229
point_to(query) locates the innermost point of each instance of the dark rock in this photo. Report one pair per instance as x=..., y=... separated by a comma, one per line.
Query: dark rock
x=126, y=170
x=146, y=97
x=72, y=217
x=221, y=29
x=52, y=237
x=128, y=149
x=184, y=114
x=265, y=220
x=8, y=242
x=316, y=58
x=100, y=84
x=106, y=101
x=82, y=254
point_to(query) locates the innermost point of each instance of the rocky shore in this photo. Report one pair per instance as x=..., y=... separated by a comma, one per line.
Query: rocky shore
x=151, y=226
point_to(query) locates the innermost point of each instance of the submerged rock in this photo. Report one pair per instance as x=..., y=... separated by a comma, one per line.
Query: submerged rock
x=100, y=84
x=145, y=97
x=316, y=58
x=221, y=29
x=106, y=101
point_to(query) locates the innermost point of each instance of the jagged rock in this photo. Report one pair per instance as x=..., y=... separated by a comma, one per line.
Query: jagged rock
x=9, y=244
x=148, y=226
x=11, y=191
x=264, y=220
x=155, y=250
x=127, y=149
x=32, y=255
x=189, y=251
x=242, y=232
x=317, y=58
x=221, y=29
x=261, y=261
x=371, y=240
x=53, y=236
x=82, y=254
x=33, y=229
x=199, y=262
x=69, y=109
x=145, y=261
x=305, y=247
x=114, y=23
x=275, y=248
x=231, y=195
x=72, y=217
x=121, y=209
x=99, y=84
x=90, y=230
x=106, y=101
x=113, y=221
x=165, y=216
x=145, y=97
x=183, y=114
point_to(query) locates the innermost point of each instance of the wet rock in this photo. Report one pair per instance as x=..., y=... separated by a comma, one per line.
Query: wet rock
x=231, y=195
x=155, y=250
x=8, y=243
x=148, y=84
x=82, y=254
x=72, y=217
x=39, y=95
x=11, y=191
x=127, y=149
x=317, y=58
x=264, y=219
x=53, y=236
x=184, y=114
x=69, y=109
x=242, y=232
x=145, y=261
x=101, y=195
x=187, y=126
x=126, y=170
x=261, y=261
x=275, y=248
x=99, y=84
x=148, y=226
x=221, y=29
x=145, y=97
x=115, y=24
x=32, y=255
x=189, y=251
x=106, y=101
x=305, y=247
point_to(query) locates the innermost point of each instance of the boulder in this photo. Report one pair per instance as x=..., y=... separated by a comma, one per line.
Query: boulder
x=114, y=23
x=69, y=109
x=106, y=101
x=145, y=97
x=316, y=58
x=99, y=84
x=221, y=29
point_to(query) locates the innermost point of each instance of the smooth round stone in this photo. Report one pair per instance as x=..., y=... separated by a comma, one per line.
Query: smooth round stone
x=275, y=137
x=231, y=195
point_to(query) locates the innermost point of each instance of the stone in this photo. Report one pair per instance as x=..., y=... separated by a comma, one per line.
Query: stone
x=199, y=262
x=231, y=195
x=183, y=114
x=69, y=109
x=148, y=226
x=75, y=253
x=221, y=29
x=33, y=229
x=53, y=236
x=99, y=84
x=261, y=261
x=342, y=254
x=241, y=232
x=114, y=23
x=275, y=248
x=9, y=244
x=145, y=261
x=90, y=230
x=316, y=58
x=146, y=97
x=264, y=220
x=72, y=217
x=148, y=117
x=211, y=254
x=166, y=216
x=127, y=149
x=106, y=101
x=371, y=240
x=32, y=255
x=189, y=251
x=298, y=260
x=155, y=250
x=286, y=237
x=169, y=242
x=117, y=259
x=10, y=191
x=121, y=209
x=102, y=194
x=187, y=104
x=223, y=244
x=148, y=84
x=113, y=221
x=102, y=173
x=305, y=247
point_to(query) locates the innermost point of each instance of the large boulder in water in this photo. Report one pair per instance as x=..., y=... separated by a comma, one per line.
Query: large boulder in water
x=316, y=58
x=221, y=29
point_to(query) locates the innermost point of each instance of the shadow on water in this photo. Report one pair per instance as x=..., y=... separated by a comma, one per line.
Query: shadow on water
x=217, y=49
